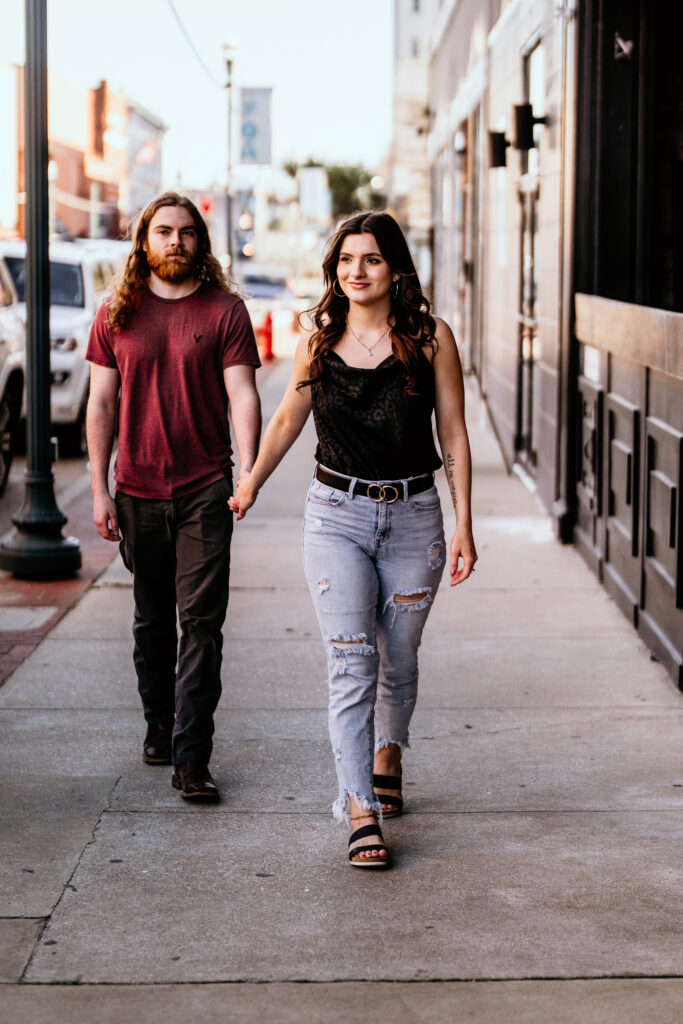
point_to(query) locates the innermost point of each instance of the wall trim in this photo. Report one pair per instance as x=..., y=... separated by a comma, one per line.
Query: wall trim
x=509, y=12
x=470, y=93
x=443, y=18
x=642, y=334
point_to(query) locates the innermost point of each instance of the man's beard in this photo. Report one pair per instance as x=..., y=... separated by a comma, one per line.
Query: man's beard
x=173, y=271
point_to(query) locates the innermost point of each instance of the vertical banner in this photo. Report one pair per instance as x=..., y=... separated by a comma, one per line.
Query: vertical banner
x=255, y=126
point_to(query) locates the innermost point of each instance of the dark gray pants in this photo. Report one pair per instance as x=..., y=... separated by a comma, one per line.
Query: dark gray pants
x=179, y=553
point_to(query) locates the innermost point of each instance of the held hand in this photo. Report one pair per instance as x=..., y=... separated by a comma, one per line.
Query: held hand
x=243, y=498
x=105, y=516
x=462, y=547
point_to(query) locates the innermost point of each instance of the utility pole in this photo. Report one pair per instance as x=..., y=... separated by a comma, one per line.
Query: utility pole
x=228, y=55
x=36, y=547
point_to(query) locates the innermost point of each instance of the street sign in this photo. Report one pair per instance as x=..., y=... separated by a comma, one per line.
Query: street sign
x=315, y=198
x=255, y=126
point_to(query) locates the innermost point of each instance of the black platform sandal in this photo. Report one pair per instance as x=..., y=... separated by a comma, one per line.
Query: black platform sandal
x=361, y=833
x=395, y=803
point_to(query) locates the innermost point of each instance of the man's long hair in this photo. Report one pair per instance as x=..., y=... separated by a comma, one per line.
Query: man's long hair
x=133, y=281
x=412, y=326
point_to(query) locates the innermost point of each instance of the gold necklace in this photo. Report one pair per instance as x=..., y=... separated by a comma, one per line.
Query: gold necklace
x=368, y=348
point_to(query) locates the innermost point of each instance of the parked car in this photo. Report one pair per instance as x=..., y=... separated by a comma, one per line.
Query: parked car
x=80, y=277
x=12, y=370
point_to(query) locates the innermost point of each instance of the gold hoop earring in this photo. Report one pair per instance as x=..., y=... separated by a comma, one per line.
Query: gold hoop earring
x=340, y=295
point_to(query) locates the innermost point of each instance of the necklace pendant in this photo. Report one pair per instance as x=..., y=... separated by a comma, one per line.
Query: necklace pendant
x=370, y=349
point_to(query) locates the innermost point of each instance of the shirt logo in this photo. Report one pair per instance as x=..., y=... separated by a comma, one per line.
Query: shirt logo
x=197, y=337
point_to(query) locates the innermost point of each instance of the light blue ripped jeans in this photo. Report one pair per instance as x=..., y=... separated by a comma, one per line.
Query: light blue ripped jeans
x=359, y=557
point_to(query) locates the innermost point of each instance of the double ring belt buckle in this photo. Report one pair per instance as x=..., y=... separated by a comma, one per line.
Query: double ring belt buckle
x=383, y=493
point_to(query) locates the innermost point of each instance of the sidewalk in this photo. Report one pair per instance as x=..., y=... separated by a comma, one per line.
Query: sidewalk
x=29, y=609
x=537, y=873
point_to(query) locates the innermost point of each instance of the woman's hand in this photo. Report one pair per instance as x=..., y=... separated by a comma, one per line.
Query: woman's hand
x=243, y=498
x=462, y=547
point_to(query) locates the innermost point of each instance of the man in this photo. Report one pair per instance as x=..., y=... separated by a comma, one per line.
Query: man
x=179, y=346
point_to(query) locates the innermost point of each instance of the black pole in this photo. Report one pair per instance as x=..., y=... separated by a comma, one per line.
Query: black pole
x=36, y=547
x=228, y=190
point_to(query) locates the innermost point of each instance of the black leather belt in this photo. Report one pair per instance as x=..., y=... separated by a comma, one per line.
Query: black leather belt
x=389, y=492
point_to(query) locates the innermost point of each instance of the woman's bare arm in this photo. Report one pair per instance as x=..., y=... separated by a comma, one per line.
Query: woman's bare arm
x=455, y=449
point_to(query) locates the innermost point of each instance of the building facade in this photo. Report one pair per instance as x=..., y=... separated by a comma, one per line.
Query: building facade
x=105, y=160
x=409, y=185
x=555, y=149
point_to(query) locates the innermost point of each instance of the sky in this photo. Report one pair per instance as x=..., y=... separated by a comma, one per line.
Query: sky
x=329, y=64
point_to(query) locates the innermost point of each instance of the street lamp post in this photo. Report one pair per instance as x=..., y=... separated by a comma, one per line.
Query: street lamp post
x=36, y=546
x=228, y=55
x=52, y=175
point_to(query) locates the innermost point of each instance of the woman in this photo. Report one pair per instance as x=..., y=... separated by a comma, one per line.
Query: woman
x=372, y=368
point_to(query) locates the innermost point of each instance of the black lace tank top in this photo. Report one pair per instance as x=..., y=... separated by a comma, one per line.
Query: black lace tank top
x=367, y=426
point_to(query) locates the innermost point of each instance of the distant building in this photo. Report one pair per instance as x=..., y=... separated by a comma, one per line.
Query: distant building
x=556, y=156
x=409, y=183
x=315, y=198
x=145, y=135
x=105, y=160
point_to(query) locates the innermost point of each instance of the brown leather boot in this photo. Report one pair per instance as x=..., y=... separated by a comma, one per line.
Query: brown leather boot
x=194, y=781
x=157, y=746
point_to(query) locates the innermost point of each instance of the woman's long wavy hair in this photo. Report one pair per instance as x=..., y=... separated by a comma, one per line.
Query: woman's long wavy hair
x=412, y=325
x=134, y=277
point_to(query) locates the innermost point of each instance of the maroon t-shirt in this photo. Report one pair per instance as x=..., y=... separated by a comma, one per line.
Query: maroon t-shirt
x=174, y=436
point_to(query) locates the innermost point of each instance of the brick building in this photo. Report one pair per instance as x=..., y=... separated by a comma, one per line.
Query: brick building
x=105, y=160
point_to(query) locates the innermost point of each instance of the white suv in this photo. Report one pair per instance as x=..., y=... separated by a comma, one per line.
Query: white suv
x=80, y=277
x=12, y=370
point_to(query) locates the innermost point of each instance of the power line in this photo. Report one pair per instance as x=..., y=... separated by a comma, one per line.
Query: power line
x=200, y=61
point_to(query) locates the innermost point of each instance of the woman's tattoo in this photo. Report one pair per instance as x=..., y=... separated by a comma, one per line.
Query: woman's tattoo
x=450, y=476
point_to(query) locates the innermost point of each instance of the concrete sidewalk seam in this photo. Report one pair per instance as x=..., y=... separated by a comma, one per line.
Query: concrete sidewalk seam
x=484, y=812
x=315, y=709
x=437, y=979
x=69, y=882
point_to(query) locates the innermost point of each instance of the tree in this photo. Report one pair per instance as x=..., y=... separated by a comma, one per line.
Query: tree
x=291, y=166
x=344, y=181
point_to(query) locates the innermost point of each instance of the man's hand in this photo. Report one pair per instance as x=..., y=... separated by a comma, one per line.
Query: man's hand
x=105, y=516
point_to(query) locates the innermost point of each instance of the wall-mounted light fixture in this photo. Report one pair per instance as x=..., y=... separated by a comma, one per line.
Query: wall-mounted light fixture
x=425, y=122
x=498, y=145
x=524, y=126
